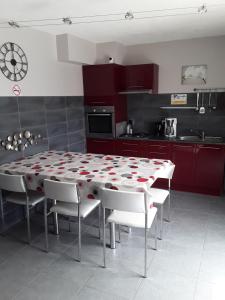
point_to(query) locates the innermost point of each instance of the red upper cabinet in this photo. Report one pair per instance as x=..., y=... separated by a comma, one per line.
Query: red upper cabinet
x=102, y=80
x=139, y=77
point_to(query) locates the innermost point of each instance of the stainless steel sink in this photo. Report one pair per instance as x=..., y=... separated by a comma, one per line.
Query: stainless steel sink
x=196, y=138
x=189, y=138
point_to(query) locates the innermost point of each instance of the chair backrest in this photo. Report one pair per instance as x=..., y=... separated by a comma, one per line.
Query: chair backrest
x=123, y=200
x=62, y=191
x=12, y=183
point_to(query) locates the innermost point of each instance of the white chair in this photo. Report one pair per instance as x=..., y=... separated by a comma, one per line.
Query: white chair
x=17, y=193
x=160, y=196
x=132, y=209
x=68, y=203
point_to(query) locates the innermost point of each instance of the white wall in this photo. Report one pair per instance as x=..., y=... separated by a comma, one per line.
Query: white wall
x=75, y=50
x=172, y=55
x=46, y=76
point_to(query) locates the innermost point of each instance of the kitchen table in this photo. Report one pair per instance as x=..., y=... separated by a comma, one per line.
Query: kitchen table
x=90, y=172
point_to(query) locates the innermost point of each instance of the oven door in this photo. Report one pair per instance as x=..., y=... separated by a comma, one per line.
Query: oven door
x=100, y=124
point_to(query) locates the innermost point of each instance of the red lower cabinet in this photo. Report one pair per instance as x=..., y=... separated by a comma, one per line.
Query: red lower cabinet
x=130, y=148
x=158, y=150
x=209, y=170
x=183, y=156
x=101, y=146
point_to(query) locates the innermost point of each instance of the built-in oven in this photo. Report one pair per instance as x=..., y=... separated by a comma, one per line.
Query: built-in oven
x=100, y=121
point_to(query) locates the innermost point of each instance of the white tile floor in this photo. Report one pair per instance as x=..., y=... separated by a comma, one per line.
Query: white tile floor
x=190, y=262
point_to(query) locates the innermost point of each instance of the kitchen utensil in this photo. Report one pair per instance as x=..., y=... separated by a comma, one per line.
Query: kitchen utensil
x=209, y=104
x=9, y=138
x=202, y=108
x=8, y=146
x=197, y=102
x=16, y=136
x=215, y=102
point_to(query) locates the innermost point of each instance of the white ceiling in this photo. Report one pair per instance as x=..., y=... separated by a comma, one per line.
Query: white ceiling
x=127, y=32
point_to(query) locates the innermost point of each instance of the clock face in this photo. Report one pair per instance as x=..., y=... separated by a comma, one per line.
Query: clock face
x=13, y=61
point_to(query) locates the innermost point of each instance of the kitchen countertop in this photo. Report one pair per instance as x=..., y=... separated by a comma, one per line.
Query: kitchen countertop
x=175, y=140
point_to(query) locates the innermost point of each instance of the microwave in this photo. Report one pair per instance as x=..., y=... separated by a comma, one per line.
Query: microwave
x=100, y=121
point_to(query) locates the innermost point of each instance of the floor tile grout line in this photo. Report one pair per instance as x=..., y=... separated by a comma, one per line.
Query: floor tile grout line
x=203, y=247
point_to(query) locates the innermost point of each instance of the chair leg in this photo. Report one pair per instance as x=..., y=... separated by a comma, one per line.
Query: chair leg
x=169, y=202
x=28, y=223
x=156, y=233
x=119, y=233
x=99, y=221
x=103, y=223
x=79, y=238
x=146, y=236
x=161, y=222
x=56, y=221
x=46, y=224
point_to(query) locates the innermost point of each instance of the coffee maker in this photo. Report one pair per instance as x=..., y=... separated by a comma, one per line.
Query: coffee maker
x=170, y=127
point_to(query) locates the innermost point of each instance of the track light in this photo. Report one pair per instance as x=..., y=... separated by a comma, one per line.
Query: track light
x=202, y=9
x=13, y=24
x=129, y=15
x=67, y=21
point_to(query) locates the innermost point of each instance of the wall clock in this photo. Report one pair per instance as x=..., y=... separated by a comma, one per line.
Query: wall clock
x=13, y=61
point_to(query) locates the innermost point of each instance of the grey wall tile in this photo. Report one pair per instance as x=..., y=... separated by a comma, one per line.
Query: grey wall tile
x=34, y=119
x=52, y=103
x=76, y=137
x=31, y=104
x=8, y=105
x=9, y=122
x=56, y=141
x=56, y=116
x=78, y=147
x=74, y=102
x=75, y=113
x=55, y=129
x=74, y=125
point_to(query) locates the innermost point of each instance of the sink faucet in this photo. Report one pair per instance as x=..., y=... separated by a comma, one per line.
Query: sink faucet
x=200, y=133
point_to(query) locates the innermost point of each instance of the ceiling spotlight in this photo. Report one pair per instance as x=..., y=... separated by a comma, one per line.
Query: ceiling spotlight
x=67, y=21
x=202, y=9
x=129, y=15
x=13, y=24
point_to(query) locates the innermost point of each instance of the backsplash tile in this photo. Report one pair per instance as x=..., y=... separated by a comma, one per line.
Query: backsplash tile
x=145, y=110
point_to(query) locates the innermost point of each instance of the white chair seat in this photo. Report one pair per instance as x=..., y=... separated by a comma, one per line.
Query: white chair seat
x=71, y=209
x=20, y=198
x=132, y=219
x=159, y=195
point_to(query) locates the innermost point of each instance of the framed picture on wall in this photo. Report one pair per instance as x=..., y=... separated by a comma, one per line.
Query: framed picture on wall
x=194, y=74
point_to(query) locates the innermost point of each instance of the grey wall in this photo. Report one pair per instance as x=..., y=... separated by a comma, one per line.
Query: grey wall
x=145, y=111
x=60, y=121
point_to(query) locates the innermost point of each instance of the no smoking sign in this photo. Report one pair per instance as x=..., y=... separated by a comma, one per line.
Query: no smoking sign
x=16, y=90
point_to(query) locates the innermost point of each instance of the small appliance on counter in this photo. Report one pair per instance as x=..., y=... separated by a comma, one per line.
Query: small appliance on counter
x=170, y=127
x=129, y=128
x=160, y=128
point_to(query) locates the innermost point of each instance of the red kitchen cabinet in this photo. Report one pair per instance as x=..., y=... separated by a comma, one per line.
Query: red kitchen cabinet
x=129, y=148
x=101, y=81
x=183, y=156
x=158, y=150
x=101, y=146
x=209, y=174
x=139, y=77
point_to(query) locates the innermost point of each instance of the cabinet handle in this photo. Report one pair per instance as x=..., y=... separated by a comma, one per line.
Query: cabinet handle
x=96, y=141
x=129, y=144
x=128, y=150
x=98, y=102
x=210, y=148
x=135, y=86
